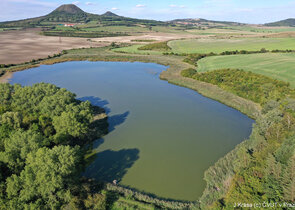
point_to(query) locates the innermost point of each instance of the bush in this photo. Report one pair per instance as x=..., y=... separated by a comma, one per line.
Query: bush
x=156, y=46
x=188, y=72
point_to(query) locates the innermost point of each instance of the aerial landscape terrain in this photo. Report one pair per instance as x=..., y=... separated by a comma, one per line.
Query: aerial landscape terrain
x=123, y=109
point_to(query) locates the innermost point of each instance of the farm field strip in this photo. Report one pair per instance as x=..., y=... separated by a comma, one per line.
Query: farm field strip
x=221, y=45
x=280, y=66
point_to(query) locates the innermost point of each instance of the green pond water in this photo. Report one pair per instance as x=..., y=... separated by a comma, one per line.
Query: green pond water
x=162, y=137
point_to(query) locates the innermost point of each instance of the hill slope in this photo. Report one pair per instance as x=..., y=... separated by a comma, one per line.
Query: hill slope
x=288, y=22
x=203, y=22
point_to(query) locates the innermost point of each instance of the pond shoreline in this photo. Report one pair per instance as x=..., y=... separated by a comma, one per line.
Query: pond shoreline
x=5, y=77
x=171, y=75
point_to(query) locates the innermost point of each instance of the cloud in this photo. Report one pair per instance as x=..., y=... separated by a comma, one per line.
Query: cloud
x=89, y=3
x=115, y=8
x=76, y=2
x=140, y=5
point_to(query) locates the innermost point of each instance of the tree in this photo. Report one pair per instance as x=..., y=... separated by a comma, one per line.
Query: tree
x=74, y=121
x=18, y=146
x=13, y=119
x=47, y=177
x=289, y=181
x=96, y=202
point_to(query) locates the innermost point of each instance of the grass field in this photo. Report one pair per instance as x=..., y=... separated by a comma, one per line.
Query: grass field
x=219, y=31
x=280, y=66
x=261, y=29
x=131, y=29
x=221, y=45
x=134, y=50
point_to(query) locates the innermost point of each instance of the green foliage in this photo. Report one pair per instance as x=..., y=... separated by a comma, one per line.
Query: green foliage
x=96, y=202
x=289, y=181
x=46, y=178
x=188, y=72
x=145, y=198
x=162, y=46
x=255, y=87
x=288, y=22
x=2, y=72
x=194, y=58
x=261, y=168
x=17, y=147
x=83, y=34
x=37, y=172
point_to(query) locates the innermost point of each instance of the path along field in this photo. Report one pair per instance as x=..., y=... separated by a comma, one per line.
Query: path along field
x=231, y=44
x=280, y=66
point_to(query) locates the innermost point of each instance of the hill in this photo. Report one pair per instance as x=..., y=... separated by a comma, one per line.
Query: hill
x=73, y=14
x=203, y=22
x=110, y=14
x=68, y=8
x=288, y=22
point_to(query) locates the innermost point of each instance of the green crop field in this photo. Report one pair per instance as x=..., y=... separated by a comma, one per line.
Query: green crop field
x=221, y=45
x=118, y=29
x=134, y=50
x=261, y=29
x=280, y=66
x=219, y=31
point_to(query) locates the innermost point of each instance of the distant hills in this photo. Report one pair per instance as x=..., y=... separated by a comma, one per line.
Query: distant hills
x=203, y=22
x=72, y=14
x=288, y=22
x=110, y=14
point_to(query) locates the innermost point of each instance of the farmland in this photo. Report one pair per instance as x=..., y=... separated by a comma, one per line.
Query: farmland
x=231, y=44
x=280, y=66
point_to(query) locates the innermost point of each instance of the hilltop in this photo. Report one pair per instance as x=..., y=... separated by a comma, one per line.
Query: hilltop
x=68, y=8
x=73, y=14
x=287, y=22
x=110, y=14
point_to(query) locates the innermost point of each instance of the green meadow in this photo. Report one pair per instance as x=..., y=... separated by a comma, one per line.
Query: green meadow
x=221, y=45
x=280, y=66
x=133, y=49
x=261, y=29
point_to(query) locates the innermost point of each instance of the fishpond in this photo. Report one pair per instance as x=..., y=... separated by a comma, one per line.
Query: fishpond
x=162, y=137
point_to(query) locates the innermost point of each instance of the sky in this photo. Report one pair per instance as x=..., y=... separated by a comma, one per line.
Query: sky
x=245, y=11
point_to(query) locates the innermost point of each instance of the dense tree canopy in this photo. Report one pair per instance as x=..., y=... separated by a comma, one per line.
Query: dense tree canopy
x=42, y=129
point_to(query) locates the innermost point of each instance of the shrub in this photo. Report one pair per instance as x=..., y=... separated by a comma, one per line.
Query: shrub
x=188, y=72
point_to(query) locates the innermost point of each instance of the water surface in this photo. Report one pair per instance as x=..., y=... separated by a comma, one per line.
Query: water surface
x=162, y=137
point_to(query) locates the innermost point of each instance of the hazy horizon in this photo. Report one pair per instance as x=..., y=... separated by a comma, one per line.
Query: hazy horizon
x=253, y=12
